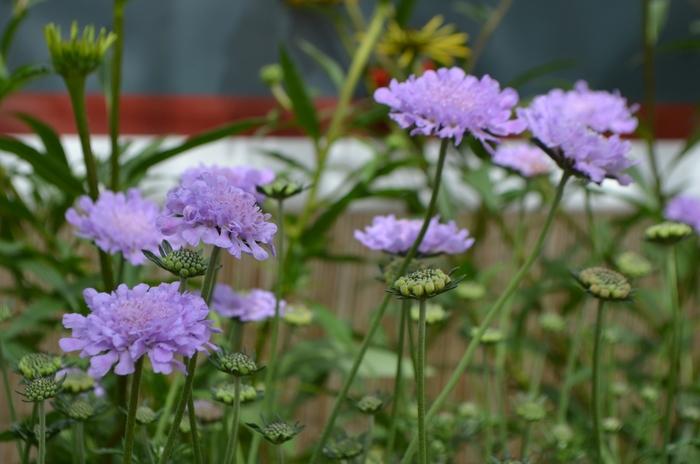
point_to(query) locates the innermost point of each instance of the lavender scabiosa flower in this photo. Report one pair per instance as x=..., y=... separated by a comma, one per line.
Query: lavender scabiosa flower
x=396, y=236
x=208, y=206
x=129, y=323
x=118, y=222
x=524, y=158
x=573, y=131
x=244, y=177
x=685, y=209
x=449, y=103
x=255, y=305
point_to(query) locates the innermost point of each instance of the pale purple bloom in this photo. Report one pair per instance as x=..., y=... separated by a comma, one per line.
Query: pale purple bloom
x=449, y=103
x=600, y=110
x=524, y=158
x=128, y=323
x=118, y=222
x=568, y=129
x=685, y=209
x=244, y=177
x=396, y=236
x=208, y=206
x=254, y=305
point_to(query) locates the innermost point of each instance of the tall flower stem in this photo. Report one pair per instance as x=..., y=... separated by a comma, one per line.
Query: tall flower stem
x=420, y=387
x=570, y=370
x=398, y=379
x=674, y=347
x=379, y=314
x=207, y=290
x=79, y=442
x=115, y=91
x=194, y=434
x=131, y=414
x=280, y=454
x=368, y=439
x=492, y=313
x=596, y=386
x=8, y=393
x=232, y=439
x=271, y=374
x=41, y=456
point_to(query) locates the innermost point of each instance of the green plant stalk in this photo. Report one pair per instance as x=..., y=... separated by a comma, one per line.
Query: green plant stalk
x=492, y=313
x=368, y=439
x=377, y=317
x=501, y=388
x=28, y=445
x=596, y=385
x=131, y=414
x=488, y=423
x=79, y=442
x=8, y=393
x=398, y=379
x=525, y=444
x=420, y=387
x=196, y=447
x=207, y=290
x=167, y=408
x=115, y=91
x=674, y=348
x=280, y=454
x=232, y=439
x=487, y=31
x=41, y=456
x=569, y=370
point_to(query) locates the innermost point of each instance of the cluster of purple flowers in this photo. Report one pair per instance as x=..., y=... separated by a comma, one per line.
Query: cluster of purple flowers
x=255, y=305
x=685, y=209
x=396, y=236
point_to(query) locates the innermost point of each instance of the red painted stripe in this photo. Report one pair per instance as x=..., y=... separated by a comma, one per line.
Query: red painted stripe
x=189, y=114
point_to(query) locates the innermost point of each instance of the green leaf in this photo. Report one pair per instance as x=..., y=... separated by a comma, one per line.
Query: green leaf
x=380, y=363
x=301, y=103
x=286, y=159
x=657, y=11
x=50, y=139
x=404, y=9
x=479, y=179
x=540, y=71
x=334, y=328
x=328, y=64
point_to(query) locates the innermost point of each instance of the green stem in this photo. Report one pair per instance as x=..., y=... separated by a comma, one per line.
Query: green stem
x=377, y=317
x=420, y=387
x=368, y=439
x=41, y=456
x=8, y=393
x=196, y=447
x=115, y=91
x=674, y=349
x=167, y=408
x=525, y=445
x=492, y=313
x=570, y=369
x=596, y=386
x=280, y=454
x=592, y=233
x=131, y=415
x=79, y=434
x=398, y=379
x=232, y=440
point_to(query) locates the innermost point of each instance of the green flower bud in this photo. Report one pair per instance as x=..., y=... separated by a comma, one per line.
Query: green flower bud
x=207, y=412
x=532, y=410
x=468, y=410
x=611, y=424
x=41, y=388
x=605, y=284
x=563, y=435
x=370, y=404
x=226, y=394
x=280, y=189
x=552, y=322
x=668, y=233
x=184, y=262
x=438, y=451
x=298, y=315
x=79, y=55
x=649, y=394
x=35, y=365
x=470, y=290
x=185, y=426
x=80, y=410
x=145, y=415
x=490, y=337
x=434, y=313
x=633, y=265
x=444, y=425
x=271, y=74
x=343, y=448
x=423, y=283
x=77, y=382
x=238, y=364
x=278, y=431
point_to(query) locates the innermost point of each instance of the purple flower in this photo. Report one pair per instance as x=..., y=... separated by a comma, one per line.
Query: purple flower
x=685, y=209
x=602, y=111
x=208, y=206
x=524, y=158
x=396, y=236
x=244, y=177
x=118, y=222
x=255, y=305
x=129, y=323
x=571, y=131
x=449, y=103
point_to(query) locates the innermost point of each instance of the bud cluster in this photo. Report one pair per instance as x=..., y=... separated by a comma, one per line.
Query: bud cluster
x=238, y=364
x=80, y=54
x=278, y=431
x=423, y=283
x=668, y=233
x=35, y=365
x=184, y=262
x=226, y=394
x=605, y=284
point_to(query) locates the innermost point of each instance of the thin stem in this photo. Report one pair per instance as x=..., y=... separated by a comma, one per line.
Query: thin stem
x=398, y=379
x=196, y=447
x=674, y=348
x=596, y=385
x=420, y=387
x=167, y=408
x=525, y=444
x=280, y=454
x=79, y=445
x=570, y=369
x=41, y=457
x=115, y=91
x=232, y=439
x=487, y=31
x=8, y=394
x=368, y=439
x=131, y=415
x=491, y=314
x=377, y=317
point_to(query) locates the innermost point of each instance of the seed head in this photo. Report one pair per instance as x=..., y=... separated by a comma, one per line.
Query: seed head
x=77, y=382
x=470, y=290
x=34, y=365
x=78, y=409
x=532, y=410
x=371, y=404
x=278, y=431
x=280, y=189
x=668, y=233
x=633, y=265
x=226, y=394
x=145, y=415
x=185, y=262
x=423, y=283
x=605, y=284
x=238, y=364
x=41, y=388
x=434, y=313
x=343, y=448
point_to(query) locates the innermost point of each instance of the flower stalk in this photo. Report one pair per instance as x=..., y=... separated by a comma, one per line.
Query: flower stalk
x=420, y=387
x=674, y=347
x=8, y=393
x=131, y=414
x=398, y=378
x=115, y=91
x=232, y=439
x=596, y=386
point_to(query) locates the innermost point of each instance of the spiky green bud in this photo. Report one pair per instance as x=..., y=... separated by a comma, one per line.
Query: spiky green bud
x=41, y=388
x=470, y=290
x=184, y=262
x=278, y=431
x=145, y=415
x=370, y=404
x=77, y=382
x=668, y=233
x=271, y=74
x=343, y=448
x=226, y=393
x=280, y=189
x=633, y=265
x=238, y=364
x=34, y=365
x=298, y=315
x=605, y=284
x=80, y=54
x=423, y=283
x=434, y=313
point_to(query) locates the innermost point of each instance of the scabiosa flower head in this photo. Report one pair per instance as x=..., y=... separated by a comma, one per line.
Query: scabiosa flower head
x=685, y=209
x=572, y=130
x=34, y=365
x=118, y=222
x=129, y=323
x=396, y=236
x=523, y=158
x=244, y=177
x=448, y=103
x=255, y=305
x=211, y=205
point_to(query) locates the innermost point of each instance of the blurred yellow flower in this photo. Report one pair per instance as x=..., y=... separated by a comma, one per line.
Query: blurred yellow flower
x=437, y=41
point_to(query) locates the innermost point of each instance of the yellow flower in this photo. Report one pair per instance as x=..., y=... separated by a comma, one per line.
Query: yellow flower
x=436, y=41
